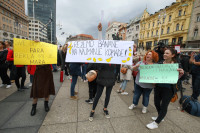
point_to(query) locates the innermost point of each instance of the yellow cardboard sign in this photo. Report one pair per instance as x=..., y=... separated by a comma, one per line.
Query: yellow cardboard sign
x=27, y=52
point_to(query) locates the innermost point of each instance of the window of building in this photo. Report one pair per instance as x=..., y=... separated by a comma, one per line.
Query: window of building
x=137, y=28
x=153, y=24
x=163, y=20
x=149, y=25
x=158, y=22
x=152, y=34
x=195, y=32
x=156, y=32
x=177, y=27
x=179, y=13
x=173, y=40
x=162, y=31
x=182, y=27
x=148, y=35
x=180, y=40
x=170, y=17
x=198, y=18
x=4, y=26
x=155, y=43
x=184, y=12
x=168, y=30
x=136, y=35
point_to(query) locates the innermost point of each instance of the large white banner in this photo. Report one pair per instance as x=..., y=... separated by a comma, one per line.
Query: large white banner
x=100, y=51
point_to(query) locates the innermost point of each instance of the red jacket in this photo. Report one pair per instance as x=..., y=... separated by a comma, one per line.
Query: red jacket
x=10, y=57
x=31, y=69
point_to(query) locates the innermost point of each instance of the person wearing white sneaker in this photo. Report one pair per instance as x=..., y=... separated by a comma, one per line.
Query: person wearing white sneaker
x=163, y=92
x=152, y=125
x=144, y=89
x=3, y=65
x=8, y=86
x=125, y=77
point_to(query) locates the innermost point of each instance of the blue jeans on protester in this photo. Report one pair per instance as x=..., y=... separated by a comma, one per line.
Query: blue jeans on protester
x=123, y=84
x=31, y=78
x=84, y=69
x=141, y=91
x=73, y=84
x=195, y=86
x=54, y=66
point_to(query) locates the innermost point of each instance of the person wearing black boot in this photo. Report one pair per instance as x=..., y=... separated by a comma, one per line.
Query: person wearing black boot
x=42, y=87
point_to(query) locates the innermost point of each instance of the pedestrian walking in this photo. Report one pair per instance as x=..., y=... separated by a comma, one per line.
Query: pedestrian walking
x=164, y=92
x=11, y=66
x=125, y=77
x=42, y=87
x=4, y=66
x=144, y=89
x=20, y=73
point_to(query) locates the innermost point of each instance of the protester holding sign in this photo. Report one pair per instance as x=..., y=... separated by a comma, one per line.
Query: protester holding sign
x=164, y=92
x=144, y=89
x=4, y=66
x=125, y=77
x=42, y=87
x=105, y=78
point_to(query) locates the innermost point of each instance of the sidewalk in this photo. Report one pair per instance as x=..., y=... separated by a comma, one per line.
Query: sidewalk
x=69, y=116
x=15, y=109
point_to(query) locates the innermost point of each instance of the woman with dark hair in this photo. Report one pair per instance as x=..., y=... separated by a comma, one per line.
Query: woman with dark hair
x=144, y=89
x=164, y=92
x=4, y=66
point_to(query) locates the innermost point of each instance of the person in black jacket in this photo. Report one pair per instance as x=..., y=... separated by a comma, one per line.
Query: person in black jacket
x=92, y=85
x=105, y=78
x=75, y=71
x=4, y=66
x=160, y=50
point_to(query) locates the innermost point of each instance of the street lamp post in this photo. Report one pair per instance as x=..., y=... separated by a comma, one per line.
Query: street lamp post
x=51, y=26
x=162, y=15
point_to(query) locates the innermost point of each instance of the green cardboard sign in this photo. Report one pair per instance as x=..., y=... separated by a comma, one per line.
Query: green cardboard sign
x=159, y=73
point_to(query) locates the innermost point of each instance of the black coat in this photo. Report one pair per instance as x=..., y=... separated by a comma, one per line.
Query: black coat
x=185, y=63
x=106, y=74
x=3, y=57
x=92, y=66
x=75, y=69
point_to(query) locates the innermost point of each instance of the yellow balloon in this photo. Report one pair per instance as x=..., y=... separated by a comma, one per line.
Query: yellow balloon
x=89, y=58
x=129, y=54
x=130, y=49
x=128, y=59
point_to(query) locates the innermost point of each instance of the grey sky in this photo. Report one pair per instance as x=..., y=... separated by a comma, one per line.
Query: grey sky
x=83, y=16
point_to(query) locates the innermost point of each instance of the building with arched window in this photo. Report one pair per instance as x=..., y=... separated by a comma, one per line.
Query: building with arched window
x=170, y=25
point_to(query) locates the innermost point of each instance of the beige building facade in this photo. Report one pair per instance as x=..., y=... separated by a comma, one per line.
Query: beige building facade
x=169, y=25
x=13, y=21
x=193, y=40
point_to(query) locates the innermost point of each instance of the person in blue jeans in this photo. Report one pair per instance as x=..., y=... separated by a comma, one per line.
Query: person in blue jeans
x=195, y=60
x=144, y=89
x=125, y=77
x=75, y=71
x=84, y=69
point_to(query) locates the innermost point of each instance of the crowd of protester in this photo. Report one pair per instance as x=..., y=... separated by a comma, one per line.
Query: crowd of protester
x=42, y=84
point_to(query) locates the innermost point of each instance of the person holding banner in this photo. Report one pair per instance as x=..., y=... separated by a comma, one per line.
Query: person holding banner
x=144, y=89
x=42, y=87
x=164, y=92
x=105, y=78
